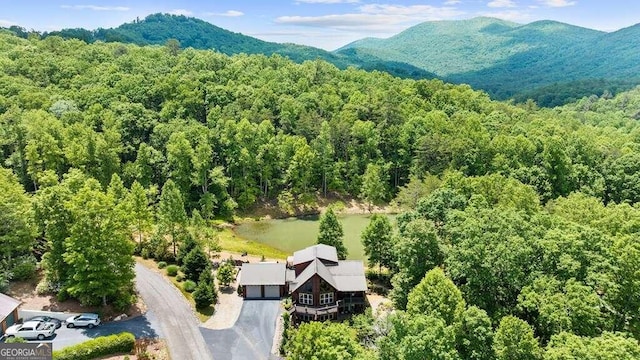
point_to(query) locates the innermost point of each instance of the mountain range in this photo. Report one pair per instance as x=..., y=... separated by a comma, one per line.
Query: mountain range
x=550, y=62
x=505, y=58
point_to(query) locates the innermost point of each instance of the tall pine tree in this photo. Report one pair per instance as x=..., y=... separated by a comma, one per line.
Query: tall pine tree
x=331, y=233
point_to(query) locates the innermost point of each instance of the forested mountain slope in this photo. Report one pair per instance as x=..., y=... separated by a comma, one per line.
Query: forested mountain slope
x=507, y=59
x=264, y=117
x=157, y=29
x=520, y=238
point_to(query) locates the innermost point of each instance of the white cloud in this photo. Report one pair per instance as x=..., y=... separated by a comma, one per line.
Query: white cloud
x=452, y=2
x=327, y=1
x=557, y=3
x=501, y=4
x=228, y=13
x=384, y=18
x=509, y=15
x=184, y=12
x=6, y=23
x=95, y=7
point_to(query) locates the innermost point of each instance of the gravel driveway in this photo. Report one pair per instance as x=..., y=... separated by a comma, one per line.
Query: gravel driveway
x=176, y=320
x=251, y=337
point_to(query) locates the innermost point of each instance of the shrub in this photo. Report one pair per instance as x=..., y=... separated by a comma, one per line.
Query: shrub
x=172, y=270
x=4, y=280
x=62, y=295
x=194, y=263
x=189, y=286
x=124, y=301
x=24, y=268
x=15, y=340
x=179, y=278
x=204, y=295
x=162, y=264
x=46, y=287
x=101, y=346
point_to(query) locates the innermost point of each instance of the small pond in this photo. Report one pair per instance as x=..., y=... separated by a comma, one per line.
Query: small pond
x=293, y=234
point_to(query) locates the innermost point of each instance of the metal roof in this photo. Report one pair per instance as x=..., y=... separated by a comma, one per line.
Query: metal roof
x=319, y=251
x=264, y=273
x=346, y=276
x=7, y=305
x=349, y=275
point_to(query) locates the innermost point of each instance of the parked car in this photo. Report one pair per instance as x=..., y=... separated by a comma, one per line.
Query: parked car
x=87, y=319
x=48, y=319
x=31, y=330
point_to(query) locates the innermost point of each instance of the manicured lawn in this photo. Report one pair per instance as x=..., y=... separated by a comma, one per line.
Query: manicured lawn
x=232, y=242
x=289, y=235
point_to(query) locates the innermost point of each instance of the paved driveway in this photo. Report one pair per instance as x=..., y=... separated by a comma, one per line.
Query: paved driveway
x=176, y=319
x=251, y=337
x=141, y=326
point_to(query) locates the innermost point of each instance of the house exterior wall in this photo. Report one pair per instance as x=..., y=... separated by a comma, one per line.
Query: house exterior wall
x=9, y=320
x=315, y=310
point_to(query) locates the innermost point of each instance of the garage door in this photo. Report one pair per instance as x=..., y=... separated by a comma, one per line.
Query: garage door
x=272, y=291
x=254, y=292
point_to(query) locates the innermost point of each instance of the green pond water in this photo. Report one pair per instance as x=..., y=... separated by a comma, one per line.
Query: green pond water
x=293, y=234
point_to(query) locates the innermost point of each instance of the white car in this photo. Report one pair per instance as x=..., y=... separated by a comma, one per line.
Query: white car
x=87, y=319
x=31, y=330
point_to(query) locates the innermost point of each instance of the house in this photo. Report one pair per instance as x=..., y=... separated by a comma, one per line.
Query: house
x=263, y=280
x=321, y=286
x=8, y=311
x=325, y=288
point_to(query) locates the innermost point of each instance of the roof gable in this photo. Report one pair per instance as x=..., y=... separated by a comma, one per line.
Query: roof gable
x=346, y=276
x=315, y=267
x=319, y=251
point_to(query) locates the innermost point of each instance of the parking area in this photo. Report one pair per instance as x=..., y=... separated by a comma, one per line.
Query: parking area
x=141, y=326
x=251, y=337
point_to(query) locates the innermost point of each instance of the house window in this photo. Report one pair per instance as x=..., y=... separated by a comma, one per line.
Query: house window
x=326, y=298
x=305, y=298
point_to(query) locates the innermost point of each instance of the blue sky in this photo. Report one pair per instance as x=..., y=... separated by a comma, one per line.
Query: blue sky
x=327, y=24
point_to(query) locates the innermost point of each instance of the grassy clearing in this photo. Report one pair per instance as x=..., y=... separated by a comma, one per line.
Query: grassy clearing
x=233, y=243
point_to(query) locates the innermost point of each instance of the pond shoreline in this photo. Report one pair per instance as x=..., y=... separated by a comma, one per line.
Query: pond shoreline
x=342, y=206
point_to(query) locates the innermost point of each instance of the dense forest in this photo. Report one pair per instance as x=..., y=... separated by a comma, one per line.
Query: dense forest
x=555, y=63
x=157, y=29
x=521, y=232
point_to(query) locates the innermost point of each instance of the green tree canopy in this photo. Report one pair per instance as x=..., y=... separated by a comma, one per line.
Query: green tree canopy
x=171, y=213
x=514, y=340
x=377, y=240
x=418, y=337
x=437, y=296
x=331, y=233
x=98, y=249
x=323, y=341
x=474, y=335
